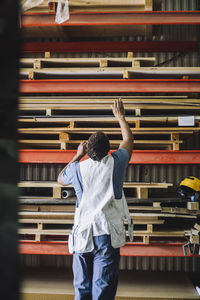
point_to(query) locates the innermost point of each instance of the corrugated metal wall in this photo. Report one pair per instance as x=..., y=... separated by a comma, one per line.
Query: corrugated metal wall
x=179, y=4
x=135, y=173
x=175, y=264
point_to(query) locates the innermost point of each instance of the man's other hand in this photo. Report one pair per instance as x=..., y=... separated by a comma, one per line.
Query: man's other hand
x=82, y=149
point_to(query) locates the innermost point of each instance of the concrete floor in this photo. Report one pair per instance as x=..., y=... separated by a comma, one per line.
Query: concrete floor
x=56, y=284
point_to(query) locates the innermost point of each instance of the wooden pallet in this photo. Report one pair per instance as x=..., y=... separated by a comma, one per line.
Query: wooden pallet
x=40, y=230
x=70, y=63
x=141, y=187
x=171, y=136
x=48, y=106
x=43, y=224
x=111, y=73
x=48, y=204
x=62, y=234
x=99, y=5
x=72, y=144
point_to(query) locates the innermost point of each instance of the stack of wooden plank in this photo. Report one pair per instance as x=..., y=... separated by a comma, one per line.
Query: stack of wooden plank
x=154, y=121
x=56, y=122
x=99, y=5
x=62, y=122
x=51, y=218
x=105, y=68
x=88, y=7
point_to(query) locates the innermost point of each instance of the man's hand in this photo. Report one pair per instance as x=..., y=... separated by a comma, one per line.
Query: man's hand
x=82, y=149
x=118, y=109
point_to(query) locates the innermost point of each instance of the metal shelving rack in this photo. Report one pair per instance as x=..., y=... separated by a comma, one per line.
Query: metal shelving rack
x=109, y=86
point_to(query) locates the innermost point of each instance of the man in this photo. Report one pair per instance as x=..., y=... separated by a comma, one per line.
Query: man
x=98, y=231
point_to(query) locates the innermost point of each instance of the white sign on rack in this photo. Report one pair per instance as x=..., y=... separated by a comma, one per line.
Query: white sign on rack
x=186, y=121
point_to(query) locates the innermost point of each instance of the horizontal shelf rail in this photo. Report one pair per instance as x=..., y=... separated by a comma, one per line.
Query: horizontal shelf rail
x=130, y=249
x=113, y=18
x=138, y=157
x=111, y=86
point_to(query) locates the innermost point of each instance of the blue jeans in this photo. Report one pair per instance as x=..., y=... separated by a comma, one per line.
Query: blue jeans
x=96, y=272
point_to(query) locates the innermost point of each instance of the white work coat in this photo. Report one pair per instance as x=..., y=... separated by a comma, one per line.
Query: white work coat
x=99, y=212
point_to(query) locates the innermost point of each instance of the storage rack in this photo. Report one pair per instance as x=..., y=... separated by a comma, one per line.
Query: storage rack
x=109, y=86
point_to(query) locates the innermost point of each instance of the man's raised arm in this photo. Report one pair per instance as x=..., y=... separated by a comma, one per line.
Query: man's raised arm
x=119, y=113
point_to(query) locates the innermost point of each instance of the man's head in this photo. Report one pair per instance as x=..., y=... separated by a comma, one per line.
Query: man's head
x=98, y=145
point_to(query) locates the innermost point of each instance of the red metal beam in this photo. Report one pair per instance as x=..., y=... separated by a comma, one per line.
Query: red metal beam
x=130, y=249
x=138, y=156
x=111, y=86
x=145, y=46
x=114, y=18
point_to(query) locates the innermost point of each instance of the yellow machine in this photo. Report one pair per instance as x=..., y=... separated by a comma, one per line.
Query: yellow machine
x=190, y=188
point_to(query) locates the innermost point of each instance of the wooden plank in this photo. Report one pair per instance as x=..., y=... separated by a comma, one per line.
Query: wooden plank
x=159, y=72
x=103, y=119
x=71, y=221
x=111, y=72
x=193, y=205
x=57, y=192
x=70, y=215
x=145, y=239
x=143, y=208
x=160, y=234
x=104, y=3
x=179, y=210
x=99, y=6
x=142, y=193
x=103, y=106
x=67, y=231
x=47, y=208
x=46, y=215
x=110, y=130
x=150, y=228
x=65, y=207
x=83, y=62
x=45, y=221
x=44, y=231
x=156, y=205
x=109, y=100
x=197, y=227
x=112, y=142
x=126, y=184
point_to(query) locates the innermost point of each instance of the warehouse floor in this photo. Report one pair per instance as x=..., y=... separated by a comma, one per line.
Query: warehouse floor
x=54, y=284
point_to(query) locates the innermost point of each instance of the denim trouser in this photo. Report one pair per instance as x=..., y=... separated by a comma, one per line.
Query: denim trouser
x=96, y=272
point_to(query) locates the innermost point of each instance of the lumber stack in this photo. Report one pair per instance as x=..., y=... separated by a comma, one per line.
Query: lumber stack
x=150, y=223
x=51, y=218
x=104, y=68
x=93, y=6
x=65, y=121
x=62, y=122
x=99, y=6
